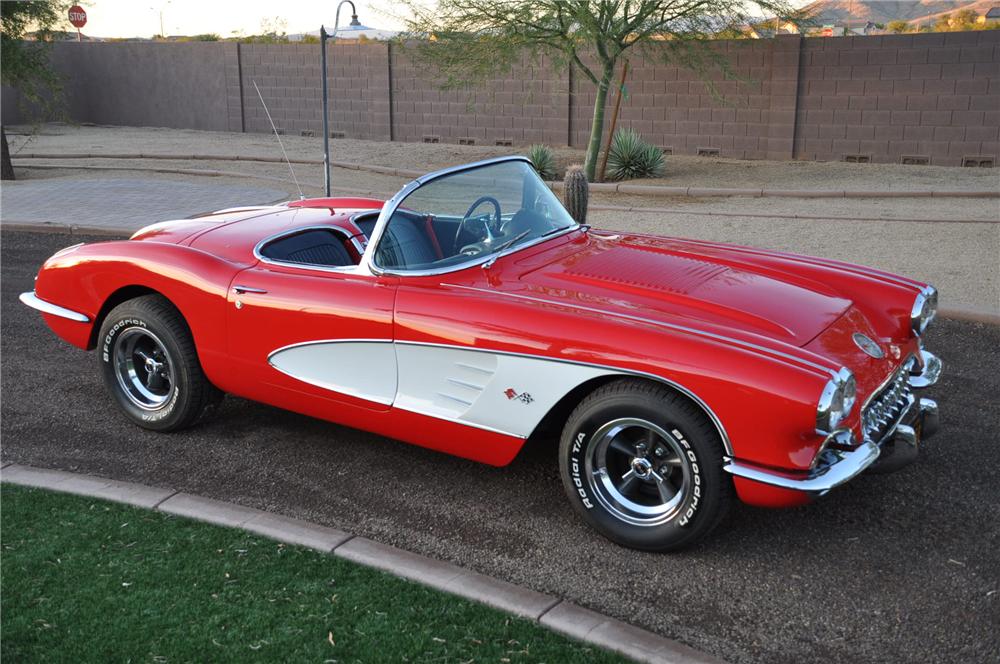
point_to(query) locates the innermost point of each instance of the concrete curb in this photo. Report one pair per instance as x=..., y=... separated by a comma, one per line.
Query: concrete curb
x=971, y=314
x=552, y=612
x=803, y=217
x=597, y=187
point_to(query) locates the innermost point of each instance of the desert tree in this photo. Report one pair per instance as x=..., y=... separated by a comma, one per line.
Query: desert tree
x=25, y=64
x=470, y=41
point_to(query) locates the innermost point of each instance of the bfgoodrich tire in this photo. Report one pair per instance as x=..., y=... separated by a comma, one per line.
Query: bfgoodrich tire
x=150, y=366
x=642, y=465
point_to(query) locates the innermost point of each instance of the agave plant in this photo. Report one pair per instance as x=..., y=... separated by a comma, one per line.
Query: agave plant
x=543, y=160
x=631, y=157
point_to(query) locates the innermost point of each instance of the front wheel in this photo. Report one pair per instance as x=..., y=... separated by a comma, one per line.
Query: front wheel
x=643, y=466
x=149, y=364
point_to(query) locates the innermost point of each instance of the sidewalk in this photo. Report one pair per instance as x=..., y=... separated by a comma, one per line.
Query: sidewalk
x=124, y=204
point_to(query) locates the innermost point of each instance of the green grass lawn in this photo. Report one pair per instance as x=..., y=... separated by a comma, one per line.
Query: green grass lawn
x=84, y=580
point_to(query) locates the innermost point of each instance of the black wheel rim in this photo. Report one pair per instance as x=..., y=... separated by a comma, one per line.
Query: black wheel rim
x=144, y=368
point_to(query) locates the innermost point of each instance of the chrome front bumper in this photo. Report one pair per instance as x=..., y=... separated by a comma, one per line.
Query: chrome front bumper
x=36, y=302
x=898, y=447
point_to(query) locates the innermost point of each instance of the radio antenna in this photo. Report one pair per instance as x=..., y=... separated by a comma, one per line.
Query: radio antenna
x=278, y=136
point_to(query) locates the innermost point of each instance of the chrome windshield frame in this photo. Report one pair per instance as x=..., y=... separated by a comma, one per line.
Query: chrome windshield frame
x=367, y=260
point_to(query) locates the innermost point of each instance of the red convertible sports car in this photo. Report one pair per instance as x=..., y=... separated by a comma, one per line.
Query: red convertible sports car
x=470, y=312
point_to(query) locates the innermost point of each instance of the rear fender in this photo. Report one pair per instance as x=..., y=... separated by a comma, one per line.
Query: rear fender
x=84, y=278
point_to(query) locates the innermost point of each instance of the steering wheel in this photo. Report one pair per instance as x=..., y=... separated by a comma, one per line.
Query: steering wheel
x=468, y=215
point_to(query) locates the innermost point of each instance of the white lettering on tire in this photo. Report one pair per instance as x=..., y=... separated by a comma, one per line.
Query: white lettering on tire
x=106, y=349
x=575, y=471
x=696, y=479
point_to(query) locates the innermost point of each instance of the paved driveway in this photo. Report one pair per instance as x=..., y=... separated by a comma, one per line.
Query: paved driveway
x=896, y=568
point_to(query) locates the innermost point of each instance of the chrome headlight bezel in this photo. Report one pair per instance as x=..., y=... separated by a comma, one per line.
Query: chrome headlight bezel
x=924, y=309
x=836, y=401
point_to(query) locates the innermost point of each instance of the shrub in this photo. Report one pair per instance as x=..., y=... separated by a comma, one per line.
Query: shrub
x=543, y=160
x=631, y=157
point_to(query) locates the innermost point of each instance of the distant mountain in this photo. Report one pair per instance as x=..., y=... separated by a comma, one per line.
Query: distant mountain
x=917, y=12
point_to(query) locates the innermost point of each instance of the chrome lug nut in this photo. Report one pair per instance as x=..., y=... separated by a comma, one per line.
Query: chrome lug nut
x=659, y=451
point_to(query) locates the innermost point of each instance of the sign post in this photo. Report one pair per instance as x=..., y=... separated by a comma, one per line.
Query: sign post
x=78, y=18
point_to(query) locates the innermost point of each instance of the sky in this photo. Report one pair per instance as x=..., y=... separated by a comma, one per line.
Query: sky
x=141, y=18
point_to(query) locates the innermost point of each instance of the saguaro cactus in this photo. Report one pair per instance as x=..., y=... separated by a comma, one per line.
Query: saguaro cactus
x=576, y=191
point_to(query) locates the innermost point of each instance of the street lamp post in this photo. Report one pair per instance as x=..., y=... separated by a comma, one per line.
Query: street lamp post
x=323, y=36
x=160, y=10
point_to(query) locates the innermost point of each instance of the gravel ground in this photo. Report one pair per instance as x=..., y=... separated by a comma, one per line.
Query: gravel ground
x=898, y=568
x=682, y=170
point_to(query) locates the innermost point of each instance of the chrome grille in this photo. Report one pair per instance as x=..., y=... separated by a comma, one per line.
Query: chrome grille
x=887, y=406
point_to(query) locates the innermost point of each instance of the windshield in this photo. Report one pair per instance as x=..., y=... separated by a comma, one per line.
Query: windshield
x=470, y=215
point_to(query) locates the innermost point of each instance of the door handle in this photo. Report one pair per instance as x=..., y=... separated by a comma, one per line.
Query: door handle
x=240, y=290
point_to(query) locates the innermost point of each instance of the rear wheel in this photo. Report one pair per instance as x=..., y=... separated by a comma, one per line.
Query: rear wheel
x=643, y=465
x=149, y=364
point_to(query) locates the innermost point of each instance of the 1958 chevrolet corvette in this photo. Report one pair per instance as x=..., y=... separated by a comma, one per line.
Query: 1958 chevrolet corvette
x=470, y=312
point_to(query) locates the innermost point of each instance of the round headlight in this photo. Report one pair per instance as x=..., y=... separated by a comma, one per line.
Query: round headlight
x=924, y=309
x=836, y=401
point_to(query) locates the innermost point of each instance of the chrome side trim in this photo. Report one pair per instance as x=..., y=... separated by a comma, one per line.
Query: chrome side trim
x=825, y=371
x=36, y=302
x=847, y=466
x=726, y=444
x=307, y=266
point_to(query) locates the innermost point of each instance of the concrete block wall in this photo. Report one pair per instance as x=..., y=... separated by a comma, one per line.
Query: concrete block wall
x=528, y=105
x=143, y=84
x=748, y=116
x=290, y=81
x=931, y=98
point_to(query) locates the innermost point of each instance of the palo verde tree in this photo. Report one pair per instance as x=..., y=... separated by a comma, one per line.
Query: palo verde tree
x=469, y=41
x=25, y=64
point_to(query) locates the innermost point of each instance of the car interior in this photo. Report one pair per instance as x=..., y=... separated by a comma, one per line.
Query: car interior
x=316, y=246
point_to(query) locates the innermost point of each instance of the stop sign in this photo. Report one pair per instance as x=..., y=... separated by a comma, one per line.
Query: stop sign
x=77, y=16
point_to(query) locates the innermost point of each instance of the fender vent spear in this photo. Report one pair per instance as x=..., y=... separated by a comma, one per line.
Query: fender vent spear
x=277, y=136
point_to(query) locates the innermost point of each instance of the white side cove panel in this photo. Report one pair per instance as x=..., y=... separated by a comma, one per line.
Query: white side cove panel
x=362, y=369
x=508, y=394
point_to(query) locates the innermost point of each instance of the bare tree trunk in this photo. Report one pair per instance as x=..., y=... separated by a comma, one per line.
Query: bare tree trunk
x=6, y=167
x=597, y=126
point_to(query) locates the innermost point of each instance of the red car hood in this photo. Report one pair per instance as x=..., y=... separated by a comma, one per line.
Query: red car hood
x=675, y=281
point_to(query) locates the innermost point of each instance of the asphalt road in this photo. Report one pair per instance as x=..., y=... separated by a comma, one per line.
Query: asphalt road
x=897, y=568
